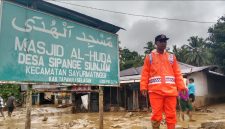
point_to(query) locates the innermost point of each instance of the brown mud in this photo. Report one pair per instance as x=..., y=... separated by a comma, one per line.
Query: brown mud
x=54, y=118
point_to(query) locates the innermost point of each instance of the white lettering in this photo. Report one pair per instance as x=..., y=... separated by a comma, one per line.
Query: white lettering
x=99, y=57
x=76, y=54
x=64, y=63
x=38, y=48
x=93, y=66
x=29, y=59
x=20, y=46
x=41, y=47
x=86, y=74
x=34, y=70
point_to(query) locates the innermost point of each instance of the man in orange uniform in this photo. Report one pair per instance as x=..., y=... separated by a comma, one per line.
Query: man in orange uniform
x=161, y=78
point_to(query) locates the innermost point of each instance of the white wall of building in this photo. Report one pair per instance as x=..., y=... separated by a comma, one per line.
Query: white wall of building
x=200, y=83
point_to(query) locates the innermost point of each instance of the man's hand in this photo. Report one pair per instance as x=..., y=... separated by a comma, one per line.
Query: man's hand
x=144, y=92
x=183, y=91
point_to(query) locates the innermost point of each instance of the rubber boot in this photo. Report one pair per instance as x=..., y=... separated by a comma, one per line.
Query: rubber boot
x=155, y=124
x=170, y=126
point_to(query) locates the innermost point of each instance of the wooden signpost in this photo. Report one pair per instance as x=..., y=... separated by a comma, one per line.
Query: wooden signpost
x=37, y=47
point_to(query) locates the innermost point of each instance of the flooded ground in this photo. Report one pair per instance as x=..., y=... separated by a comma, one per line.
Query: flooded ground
x=61, y=119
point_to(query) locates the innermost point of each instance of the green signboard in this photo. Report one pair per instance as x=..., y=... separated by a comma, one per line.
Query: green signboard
x=38, y=47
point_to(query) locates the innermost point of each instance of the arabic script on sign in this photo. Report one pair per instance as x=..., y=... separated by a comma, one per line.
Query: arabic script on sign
x=90, y=39
x=29, y=26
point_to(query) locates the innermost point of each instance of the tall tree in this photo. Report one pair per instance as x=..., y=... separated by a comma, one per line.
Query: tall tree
x=7, y=89
x=197, y=52
x=150, y=46
x=217, y=38
x=130, y=59
x=180, y=53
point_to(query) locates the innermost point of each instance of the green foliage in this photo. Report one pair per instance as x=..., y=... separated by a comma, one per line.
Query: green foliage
x=180, y=53
x=217, y=42
x=130, y=59
x=7, y=89
x=150, y=46
x=196, y=53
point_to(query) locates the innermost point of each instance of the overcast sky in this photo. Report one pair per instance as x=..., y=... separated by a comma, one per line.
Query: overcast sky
x=140, y=30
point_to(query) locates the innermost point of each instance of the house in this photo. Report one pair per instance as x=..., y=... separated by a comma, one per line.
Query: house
x=73, y=95
x=49, y=94
x=209, y=81
x=210, y=85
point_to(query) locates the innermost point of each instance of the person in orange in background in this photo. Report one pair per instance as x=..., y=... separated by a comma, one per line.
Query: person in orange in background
x=161, y=79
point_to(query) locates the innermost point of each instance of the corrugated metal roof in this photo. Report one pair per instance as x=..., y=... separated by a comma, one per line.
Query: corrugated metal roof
x=133, y=74
x=136, y=78
x=139, y=69
x=215, y=73
x=25, y=87
x=195, y=69
x=126, y=79
x=68, y=14
x=185, y=68
x=130, y=71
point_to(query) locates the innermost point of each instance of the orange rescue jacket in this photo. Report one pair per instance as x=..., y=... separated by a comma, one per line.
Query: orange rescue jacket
x=161, y=74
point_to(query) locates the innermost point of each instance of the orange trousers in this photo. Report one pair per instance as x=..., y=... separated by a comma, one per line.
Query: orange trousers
x=166, y=104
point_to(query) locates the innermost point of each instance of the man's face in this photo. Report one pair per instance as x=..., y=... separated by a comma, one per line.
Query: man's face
x=161, y=45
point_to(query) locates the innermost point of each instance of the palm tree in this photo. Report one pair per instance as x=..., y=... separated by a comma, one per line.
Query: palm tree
x=150, y=46
x=196, y=51
x=180, y=53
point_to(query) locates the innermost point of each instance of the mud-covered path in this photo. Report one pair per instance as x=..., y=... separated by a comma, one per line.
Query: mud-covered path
x=62, y=119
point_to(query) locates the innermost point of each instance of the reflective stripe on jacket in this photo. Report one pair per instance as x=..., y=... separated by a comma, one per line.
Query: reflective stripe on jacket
x=160, y=75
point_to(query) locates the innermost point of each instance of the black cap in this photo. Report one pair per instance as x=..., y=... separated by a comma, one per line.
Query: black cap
x=161, y=37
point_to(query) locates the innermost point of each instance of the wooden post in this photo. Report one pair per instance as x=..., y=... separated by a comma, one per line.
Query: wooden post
x=73, y=102
x=125, y=97
x=101, y=107
x=110, y=94
x=89, y=101
x=133, y=99
x=138, y=100
x=28, y=107
x=117, y=94
x=38, y=99
x=56, y=99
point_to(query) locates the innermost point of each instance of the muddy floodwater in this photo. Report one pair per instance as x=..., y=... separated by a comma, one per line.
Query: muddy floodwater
x=53, y=118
